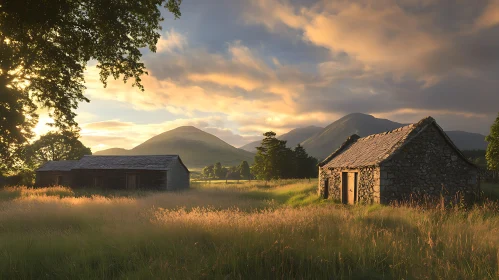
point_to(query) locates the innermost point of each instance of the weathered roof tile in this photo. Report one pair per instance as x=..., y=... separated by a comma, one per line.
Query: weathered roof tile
x=153, y=162
x=62, y=165
x=150, y=162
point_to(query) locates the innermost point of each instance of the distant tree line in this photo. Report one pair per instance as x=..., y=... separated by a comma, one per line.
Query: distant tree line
x=218, y=172
x=273, y=160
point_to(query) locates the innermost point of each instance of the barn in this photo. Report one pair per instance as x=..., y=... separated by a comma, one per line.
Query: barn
x=412, y=162
x=162, y=172
x=55, y=173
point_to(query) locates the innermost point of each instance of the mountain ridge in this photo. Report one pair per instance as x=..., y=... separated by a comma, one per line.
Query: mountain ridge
x=293, y=137
x=197, y=148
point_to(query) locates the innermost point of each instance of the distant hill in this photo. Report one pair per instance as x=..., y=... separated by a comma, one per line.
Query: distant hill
x=113, y=152
x=196, y=148
x=332, y=136
x=293, y=137
x=467, y=140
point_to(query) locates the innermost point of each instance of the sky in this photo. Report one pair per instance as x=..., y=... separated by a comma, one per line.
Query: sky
x=239, y=68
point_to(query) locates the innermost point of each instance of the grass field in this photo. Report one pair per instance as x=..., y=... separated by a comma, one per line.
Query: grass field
x=245, y=230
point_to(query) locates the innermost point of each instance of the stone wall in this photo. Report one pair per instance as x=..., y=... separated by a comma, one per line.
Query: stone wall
x=368, y=183
x=427, y=167
x=323, y=174
x=335, y=185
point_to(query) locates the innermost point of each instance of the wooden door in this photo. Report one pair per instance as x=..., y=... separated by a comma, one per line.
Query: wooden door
x=131, y=181
x=351, y=188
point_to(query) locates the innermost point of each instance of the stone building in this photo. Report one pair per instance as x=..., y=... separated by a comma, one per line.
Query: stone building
x=412, y=162
x=161, y=172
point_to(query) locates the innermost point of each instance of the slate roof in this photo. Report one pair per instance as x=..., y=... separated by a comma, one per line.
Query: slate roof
x=376, y=148
x=154, y=162
x=62, y=165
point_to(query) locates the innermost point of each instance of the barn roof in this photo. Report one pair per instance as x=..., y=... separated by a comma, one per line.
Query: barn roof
x=376, y=148
x=152, y=162
x=61, y=165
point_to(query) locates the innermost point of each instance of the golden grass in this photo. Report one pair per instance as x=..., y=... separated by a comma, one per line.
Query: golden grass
x=246, y=231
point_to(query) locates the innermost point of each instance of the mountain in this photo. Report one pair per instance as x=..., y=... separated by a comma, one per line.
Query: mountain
x=294, y=137
x=113, y=152
x=196, y=148
x=332, y=136
x=467, y=140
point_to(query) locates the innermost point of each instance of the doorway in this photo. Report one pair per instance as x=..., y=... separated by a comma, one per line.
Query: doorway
x=131, y=181
x=59, y=180
x=326, y=188
x=349, y=182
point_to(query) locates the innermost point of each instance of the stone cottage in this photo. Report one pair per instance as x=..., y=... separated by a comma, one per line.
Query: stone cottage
x=411, y=162
x=161, y=172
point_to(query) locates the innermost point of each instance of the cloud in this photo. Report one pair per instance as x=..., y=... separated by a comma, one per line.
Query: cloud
x=490, y=16
x=277, y=65
x=171, y=41
x=108, y=125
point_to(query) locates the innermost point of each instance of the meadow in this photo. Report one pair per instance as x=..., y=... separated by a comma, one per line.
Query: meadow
x=245, y=230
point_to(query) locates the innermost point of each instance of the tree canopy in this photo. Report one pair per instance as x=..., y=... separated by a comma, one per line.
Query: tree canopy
x=274, y=160
x=244, y=170
x=44, y=50
x=56, y=146
x=492, y=154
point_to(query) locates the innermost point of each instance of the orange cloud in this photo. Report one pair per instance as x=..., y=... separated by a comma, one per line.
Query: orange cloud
x=380, y=34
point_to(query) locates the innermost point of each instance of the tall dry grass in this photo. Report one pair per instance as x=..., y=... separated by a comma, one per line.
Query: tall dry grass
x=238, y=233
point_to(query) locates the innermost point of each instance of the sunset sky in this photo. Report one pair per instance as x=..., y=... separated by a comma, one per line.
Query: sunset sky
x=239, y=68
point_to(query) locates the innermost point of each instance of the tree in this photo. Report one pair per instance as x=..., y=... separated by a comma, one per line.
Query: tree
x=55, y=146
x=219, y=171
x=272, y=159
x=244, y=171
x=306, y=166
x=208, y=172
x=44, y=50
x=492, y=154
x=233, y=173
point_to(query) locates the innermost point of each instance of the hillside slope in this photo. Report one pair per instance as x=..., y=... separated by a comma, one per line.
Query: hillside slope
x=196, y=148
x=332, y=136
x=293, y=137
x=467, y=140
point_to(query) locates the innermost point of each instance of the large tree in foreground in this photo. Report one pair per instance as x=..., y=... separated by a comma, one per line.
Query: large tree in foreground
x=492, y=154
x=44, y=50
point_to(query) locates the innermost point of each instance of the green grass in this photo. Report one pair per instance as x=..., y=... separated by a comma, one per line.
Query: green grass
x=245, y=230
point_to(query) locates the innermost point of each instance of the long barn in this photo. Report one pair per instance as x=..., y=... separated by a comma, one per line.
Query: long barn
x=161, y=172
